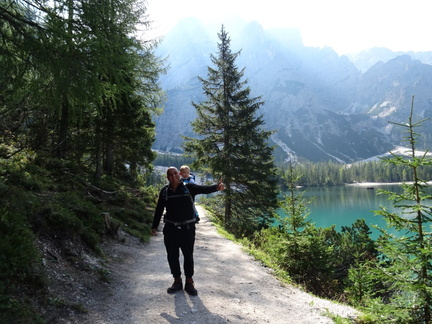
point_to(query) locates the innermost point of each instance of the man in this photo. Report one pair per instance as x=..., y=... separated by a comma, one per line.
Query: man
x=179, y=230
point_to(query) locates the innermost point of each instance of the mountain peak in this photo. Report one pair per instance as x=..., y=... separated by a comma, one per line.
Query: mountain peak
x=319, y=104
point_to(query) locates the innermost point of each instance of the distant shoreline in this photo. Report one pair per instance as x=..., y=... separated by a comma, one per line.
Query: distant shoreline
x=372, y=184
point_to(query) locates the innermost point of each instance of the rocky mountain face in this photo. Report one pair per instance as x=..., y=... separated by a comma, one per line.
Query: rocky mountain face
x=322, y=106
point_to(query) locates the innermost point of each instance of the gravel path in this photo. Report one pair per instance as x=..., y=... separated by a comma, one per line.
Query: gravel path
x=232, y=287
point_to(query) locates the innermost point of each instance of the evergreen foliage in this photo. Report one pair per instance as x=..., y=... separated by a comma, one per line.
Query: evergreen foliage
x=332, y=173
x=304, y=256
x=77, y=84
x=404, y=270
x=316, y=258
x=232, y=143
x=169, y=159
x=78, y=91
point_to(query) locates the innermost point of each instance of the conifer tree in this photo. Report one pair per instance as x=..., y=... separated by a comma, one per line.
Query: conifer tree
x=77, y=81
x=405, y=270
x=295, y=228
x=232, y=143
x=126, y=77
x=294, y=205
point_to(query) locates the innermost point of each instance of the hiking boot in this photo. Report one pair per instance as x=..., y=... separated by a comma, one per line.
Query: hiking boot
x=189, y=287
x=176, y=286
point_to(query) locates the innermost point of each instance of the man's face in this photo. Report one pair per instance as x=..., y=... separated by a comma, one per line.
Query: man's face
x=173, y=175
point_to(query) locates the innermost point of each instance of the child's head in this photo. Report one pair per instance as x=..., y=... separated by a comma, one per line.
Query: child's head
x=184, y=171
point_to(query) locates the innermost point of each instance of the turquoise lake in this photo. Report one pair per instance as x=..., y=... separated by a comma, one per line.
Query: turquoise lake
x=343, y=205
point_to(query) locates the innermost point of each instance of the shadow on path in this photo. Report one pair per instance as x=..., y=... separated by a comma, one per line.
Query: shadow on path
x=191, y=310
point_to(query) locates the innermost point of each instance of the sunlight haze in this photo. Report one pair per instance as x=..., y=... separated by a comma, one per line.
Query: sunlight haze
x=344, y=25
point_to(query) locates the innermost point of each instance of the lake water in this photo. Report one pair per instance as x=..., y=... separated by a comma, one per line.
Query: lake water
x=343, y=205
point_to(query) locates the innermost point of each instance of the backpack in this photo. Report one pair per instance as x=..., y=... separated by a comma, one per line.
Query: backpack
x=186, y=192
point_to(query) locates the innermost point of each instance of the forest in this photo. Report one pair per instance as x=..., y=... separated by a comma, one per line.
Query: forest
x=79, y=94
x=330, y=173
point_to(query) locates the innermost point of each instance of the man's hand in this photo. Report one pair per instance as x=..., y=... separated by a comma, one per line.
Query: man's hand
x=154, y=232
x=220, y=185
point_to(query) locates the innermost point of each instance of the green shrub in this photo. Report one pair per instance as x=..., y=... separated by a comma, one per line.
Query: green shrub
x=17, y=268
x=17, y=247
x=18, y=311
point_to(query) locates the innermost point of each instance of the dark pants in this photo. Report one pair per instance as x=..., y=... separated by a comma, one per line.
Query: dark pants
x=183, y=239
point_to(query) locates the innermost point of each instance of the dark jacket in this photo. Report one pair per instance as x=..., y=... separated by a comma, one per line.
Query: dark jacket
x=178, y=204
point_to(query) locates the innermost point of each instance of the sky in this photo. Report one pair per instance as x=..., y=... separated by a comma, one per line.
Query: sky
x=347, y=26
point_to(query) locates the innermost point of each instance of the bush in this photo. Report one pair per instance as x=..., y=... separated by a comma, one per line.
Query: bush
x=17, y=267
x=17, y=246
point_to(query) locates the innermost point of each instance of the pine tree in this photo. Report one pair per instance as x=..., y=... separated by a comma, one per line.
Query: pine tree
x=233, y=144
x=406, y=270
x=77, y=81
x=125, y=73
x=294, y=205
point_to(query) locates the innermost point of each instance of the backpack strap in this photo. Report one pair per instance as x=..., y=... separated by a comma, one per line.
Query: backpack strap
x=165, y=193
x=196, y=216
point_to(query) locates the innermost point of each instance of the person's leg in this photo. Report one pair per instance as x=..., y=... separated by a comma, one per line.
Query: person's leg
x=187, y=243
x=187, y=247
x=172, y=248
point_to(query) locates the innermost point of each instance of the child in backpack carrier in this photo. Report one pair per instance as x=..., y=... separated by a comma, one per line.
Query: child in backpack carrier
x=185, y=174
x=187, y=177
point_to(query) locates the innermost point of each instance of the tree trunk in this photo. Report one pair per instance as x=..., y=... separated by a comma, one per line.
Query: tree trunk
x=63, y=130
x=228, y=207
x=98, y=153
x=109, y=159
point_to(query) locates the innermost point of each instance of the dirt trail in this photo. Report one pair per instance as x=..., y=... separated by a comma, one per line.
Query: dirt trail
x=232, y=287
